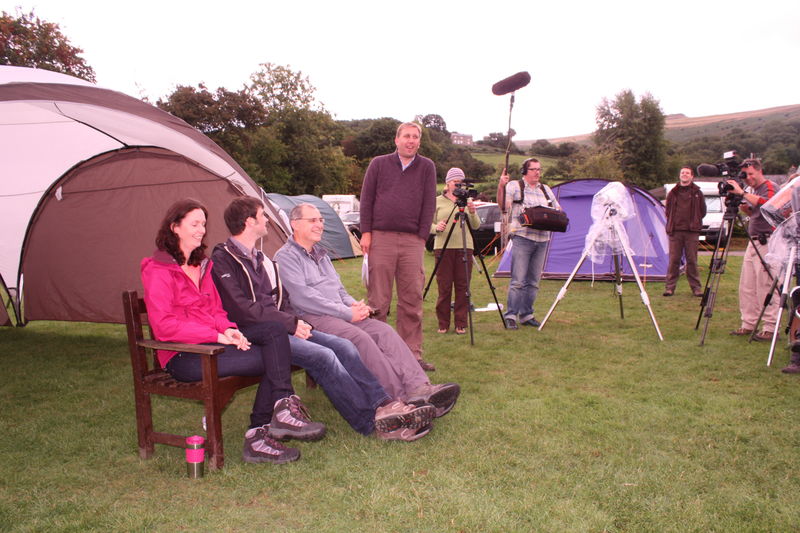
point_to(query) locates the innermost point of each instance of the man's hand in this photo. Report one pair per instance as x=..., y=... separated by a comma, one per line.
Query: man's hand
x=736, y=188
x=360, y=311
x=504, y=178
x=366, y=241
x=303, y=330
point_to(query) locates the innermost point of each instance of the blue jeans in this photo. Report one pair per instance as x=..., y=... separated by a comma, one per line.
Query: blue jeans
x=335, y=365
x=268, y=357
x=527, y=262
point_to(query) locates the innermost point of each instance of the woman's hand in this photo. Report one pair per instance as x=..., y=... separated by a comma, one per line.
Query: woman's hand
x=303, y=330
x=234, y=337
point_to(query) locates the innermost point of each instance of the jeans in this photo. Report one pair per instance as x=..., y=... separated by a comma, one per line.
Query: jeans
x=269, y=357
x=527, y=262
x=335, y=365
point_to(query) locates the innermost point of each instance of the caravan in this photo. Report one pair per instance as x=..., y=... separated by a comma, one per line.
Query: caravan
x=715, y=208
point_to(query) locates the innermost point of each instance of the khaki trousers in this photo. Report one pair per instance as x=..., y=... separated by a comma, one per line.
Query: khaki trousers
x=754, y=283
x=397, y=258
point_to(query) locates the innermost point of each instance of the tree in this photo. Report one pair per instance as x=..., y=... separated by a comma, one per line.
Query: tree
x=433, y=122
x=633, y=134
x=28, y=41
x=279, y=88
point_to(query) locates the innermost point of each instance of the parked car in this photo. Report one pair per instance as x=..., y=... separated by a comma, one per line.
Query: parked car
x=352, y=221
x=489, y=213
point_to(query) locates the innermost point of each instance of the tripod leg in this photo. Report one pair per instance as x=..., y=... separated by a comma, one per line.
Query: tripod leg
x=438, y=261
x=767, y=302
x=618, y=284
x=563, y=291
x=784, y=297
x=642, y=292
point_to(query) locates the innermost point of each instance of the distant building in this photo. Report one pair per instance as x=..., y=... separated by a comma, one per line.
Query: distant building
x=461, y=138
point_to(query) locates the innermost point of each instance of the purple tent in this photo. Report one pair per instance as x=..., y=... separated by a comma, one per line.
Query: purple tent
x=646, y=233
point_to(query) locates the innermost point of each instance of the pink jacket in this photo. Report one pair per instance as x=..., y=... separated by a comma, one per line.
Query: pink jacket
x=177, y=310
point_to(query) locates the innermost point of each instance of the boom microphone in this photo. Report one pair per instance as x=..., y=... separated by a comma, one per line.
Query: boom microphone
x=511, y=83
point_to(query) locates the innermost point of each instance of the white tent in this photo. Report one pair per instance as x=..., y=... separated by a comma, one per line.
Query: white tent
x=86, y=174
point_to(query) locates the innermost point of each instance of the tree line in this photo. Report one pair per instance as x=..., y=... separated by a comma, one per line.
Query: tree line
x=287, y=141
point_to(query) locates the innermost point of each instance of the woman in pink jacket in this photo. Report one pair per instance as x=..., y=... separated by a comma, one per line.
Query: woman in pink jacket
x=184, y=306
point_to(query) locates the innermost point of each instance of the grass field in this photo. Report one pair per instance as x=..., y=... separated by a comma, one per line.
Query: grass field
x=514, y=160
x=589, y=425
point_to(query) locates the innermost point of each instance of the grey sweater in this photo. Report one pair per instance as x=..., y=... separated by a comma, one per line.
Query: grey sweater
x=312, y=281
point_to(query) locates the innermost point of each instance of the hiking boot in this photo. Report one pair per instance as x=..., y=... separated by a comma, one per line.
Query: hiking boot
x=259, y=447
x=443, y=397
x=426, y=366
x=763, y=336
x=794, y=364
x=404, y=434
x=742, y=332
x=511, y=323
x=398, y=415
x=531, y=322
x=290, y=420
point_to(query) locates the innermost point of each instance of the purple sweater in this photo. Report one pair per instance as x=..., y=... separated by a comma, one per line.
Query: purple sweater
x=393, y=199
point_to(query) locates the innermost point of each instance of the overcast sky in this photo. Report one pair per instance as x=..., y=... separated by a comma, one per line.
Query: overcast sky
x=370, y=59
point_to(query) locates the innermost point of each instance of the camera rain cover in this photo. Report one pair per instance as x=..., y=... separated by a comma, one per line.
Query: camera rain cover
x=610, y=204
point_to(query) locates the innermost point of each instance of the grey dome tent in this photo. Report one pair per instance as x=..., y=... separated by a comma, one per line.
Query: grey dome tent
x=335, y=238
x=87, y=175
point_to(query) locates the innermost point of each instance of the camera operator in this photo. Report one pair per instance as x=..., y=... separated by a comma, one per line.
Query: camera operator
x=451, y=272
x=755, y=282
x=530, y=245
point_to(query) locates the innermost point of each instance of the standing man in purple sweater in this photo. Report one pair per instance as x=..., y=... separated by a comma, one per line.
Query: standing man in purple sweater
x=398, y=199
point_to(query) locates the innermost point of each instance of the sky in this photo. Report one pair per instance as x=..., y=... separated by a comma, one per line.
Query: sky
x=372, y=59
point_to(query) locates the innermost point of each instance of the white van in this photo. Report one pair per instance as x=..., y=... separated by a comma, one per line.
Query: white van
x=715, y=208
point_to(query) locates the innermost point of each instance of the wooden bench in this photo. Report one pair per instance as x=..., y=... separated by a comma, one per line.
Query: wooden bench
x=213, y=391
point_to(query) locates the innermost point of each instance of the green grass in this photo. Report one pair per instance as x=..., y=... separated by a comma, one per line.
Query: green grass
x=589, y=425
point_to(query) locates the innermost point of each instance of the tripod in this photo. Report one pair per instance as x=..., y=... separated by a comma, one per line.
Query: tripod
x=612, y=224
x=718, y=262
x=460, y=218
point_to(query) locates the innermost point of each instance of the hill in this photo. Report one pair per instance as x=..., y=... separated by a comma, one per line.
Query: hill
x=680, y=128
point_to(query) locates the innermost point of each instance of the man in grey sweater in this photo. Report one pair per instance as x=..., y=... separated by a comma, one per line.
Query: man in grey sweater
x=319, y=297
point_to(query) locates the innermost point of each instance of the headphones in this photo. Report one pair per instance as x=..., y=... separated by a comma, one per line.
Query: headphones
x=524, y=168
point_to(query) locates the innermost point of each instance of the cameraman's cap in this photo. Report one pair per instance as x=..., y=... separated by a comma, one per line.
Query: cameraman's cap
x=454, y=174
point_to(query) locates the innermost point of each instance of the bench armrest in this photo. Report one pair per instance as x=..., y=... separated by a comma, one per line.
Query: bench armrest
x=203, y=349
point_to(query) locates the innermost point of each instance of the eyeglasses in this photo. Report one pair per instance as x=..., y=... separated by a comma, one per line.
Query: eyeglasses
x=313, y=220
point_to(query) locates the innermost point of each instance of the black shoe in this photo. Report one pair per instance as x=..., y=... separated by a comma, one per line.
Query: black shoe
x=511, y=323
x=532, y=322
x=259, y=447
x=426, y=366
x=667, y=293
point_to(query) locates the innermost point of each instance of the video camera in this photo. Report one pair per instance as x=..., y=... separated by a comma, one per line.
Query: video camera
x=729, y=169
x=463, y=192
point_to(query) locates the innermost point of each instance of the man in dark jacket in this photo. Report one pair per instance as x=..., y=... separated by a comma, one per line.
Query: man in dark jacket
x=251, y=293
x=686, y=208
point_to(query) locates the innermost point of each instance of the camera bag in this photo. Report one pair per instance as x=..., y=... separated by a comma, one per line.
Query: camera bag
x=546, y=218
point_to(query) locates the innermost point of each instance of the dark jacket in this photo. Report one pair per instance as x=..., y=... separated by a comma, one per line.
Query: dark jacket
x=247, y=292
x=697, y=208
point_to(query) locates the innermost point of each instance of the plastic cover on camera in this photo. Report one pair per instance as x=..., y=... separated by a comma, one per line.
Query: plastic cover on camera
x=787, y=200
x=783, y=238
x=611, y=206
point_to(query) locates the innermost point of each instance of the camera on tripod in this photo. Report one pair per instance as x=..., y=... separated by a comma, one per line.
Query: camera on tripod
x=728, y=169
x=463, y=192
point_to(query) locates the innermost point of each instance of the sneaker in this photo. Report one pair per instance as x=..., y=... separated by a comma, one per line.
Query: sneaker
x=398, y=415
x=742, y=332
x=763, y=336
x=259, y=447
x=290, y=420
x=531, y=322
x=443, y=397
x=667, y=293
x=404, y=434
x=511, y=323
x=426, y=366
x=698, y=293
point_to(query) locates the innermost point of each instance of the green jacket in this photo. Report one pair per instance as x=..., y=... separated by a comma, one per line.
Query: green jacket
x=444, y=209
